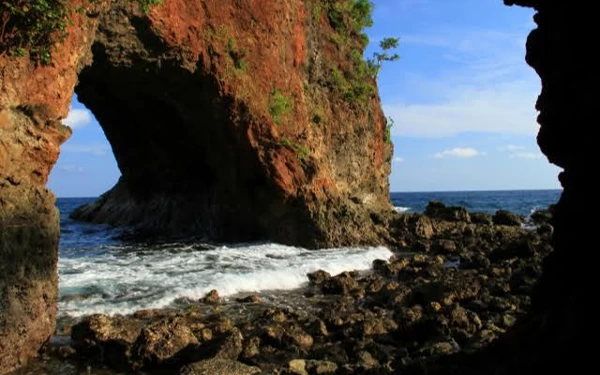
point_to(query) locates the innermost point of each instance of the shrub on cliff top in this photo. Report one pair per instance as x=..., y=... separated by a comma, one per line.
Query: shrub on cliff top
x=34, y=26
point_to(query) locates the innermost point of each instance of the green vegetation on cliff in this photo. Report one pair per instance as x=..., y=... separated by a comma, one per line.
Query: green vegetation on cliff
x=34, y=26
x=354, y=79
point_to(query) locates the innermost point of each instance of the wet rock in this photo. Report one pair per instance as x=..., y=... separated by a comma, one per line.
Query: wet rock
x=383, y=267
x=211, y=297
x=219, y=366
x=219, y=324
x=438, y=210
x=539, y=217
x=253, y=298
x=165, y=342
x=108, y=340
x=344, y=284
x=150, y=314
x=503, y=217
x=318, y=278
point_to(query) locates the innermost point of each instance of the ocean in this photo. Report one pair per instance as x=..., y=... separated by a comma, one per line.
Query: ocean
x=99, y=273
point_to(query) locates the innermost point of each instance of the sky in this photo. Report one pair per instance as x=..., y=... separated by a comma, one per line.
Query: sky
x=461, y=98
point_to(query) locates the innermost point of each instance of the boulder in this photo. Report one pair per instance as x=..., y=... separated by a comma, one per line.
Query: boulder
x=107, y=339
x=165, y=342
x=503, y=217
x=439, y=211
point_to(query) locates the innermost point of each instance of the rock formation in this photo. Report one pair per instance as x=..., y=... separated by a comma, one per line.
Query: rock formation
x=230, y=120
x=33, y=100
x=243, y=120
x=238, y=121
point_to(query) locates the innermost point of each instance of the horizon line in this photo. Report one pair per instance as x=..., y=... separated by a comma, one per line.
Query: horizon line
x=391, y=192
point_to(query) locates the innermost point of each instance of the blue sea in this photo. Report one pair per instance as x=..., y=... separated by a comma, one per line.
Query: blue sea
x=100, y=273
x=522, y=202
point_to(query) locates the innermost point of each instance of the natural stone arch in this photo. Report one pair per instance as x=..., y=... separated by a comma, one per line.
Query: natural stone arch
x=217, y=132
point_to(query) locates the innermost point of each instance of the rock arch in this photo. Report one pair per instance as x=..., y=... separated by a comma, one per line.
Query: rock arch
x=217, y=132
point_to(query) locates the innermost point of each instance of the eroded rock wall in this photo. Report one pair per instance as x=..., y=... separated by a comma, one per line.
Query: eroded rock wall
x=239, y=121
x=234, y=120
x=33, y=100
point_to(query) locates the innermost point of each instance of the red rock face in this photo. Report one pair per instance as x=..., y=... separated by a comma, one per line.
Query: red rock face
x=240, y=131
x=225, y=122
x=33, y=99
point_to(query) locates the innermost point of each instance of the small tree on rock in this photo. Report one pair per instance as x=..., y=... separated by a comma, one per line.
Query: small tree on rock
x=386, y=45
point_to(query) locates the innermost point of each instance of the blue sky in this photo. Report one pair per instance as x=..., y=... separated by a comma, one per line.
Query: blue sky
x=461, y=96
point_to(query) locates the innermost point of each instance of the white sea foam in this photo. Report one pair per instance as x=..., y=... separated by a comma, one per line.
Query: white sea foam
x=401, y=209
x=124, y=280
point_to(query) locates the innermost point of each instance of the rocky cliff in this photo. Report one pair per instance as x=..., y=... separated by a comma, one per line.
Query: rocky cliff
x=240, y=121
x=233, y=120
x=33, y=100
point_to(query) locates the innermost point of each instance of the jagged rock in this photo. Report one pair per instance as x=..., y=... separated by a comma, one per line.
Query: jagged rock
x=229, y=346
x=297, y=337
x=446, y=247
x=503, y=217
x=424, y=227
x=438, y=210
x=481, y=218
x=211, y=297
x=109, y=340
x=540, y=217
x=298, y=367
x=167, y=341
x=219, y=366
x=252, y=348
x=253, y=298
x=318, y=278
x=344, y=284
x=321, y=367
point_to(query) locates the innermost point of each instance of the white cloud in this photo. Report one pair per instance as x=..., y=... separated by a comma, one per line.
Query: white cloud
x=527, y=155
x=458, y=152
x=484, y=86
x=511, y=148
x=398, y=160
x=94, y=149
x=78, y=118
x=71, y=169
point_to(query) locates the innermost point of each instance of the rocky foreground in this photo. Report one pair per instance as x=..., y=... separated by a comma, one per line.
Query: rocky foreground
x=458, y=281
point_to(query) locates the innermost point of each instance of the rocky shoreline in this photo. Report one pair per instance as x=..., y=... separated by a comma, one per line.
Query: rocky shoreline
x=458, y=281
